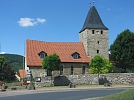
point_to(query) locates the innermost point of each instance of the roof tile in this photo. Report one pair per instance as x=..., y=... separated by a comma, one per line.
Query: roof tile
x=63, y=49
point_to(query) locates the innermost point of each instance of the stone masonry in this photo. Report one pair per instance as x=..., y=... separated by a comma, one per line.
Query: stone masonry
x=115, y=78
x=95, y=43
x=77, y=69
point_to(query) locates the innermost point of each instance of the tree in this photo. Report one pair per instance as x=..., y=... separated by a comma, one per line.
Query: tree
x=14, y=60
x=122, y=51
x=100, y=65
x=6, y=72
x=51, y=62
x=3, y=62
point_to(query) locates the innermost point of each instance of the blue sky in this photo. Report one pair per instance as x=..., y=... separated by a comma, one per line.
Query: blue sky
x=57, y=20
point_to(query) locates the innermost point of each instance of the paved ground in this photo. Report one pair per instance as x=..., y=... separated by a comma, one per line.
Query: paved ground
x=63, y=95
x=60, y=88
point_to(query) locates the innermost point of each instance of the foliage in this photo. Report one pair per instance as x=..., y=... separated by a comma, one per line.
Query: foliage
x=6, y=72
x=3, y=63
x=16, y=61
x=51, y=62
x=24, y=79
x=13, y=84
x=122, y=50
x=125, y=95
x=100, y=65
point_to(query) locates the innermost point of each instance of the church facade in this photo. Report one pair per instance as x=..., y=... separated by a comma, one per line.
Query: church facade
x=75, y=56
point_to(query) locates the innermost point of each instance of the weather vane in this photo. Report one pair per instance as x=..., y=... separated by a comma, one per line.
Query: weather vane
x=89, y=4
x=92, y=3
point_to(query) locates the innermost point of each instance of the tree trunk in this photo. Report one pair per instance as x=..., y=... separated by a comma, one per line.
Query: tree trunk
x=51, y=78
x=98, y=78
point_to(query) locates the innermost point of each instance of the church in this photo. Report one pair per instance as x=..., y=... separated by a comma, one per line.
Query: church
x=75, y=56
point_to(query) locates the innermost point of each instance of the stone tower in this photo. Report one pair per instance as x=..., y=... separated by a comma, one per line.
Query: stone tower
x=94, y=35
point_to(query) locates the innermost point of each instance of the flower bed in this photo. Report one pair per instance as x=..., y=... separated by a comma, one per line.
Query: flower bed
x=24, y=83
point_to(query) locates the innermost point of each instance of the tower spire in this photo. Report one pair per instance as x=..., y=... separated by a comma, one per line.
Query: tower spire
x=93, y=20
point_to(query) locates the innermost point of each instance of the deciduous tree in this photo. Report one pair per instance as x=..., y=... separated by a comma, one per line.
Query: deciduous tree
x=100, y=65
x=6, y=72
x=51, y=62
x=122, y=50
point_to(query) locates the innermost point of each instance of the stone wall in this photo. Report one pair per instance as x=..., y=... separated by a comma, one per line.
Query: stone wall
x=116, y=78
x=96, y=43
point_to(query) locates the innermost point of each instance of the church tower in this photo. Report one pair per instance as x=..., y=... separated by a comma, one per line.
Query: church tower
x=94, y=35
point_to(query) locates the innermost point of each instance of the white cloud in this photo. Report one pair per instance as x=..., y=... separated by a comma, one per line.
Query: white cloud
x=2, y=52
x=26, y=22
x=41, y=20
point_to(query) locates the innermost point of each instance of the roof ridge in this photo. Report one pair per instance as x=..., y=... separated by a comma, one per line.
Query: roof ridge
x=51, y=42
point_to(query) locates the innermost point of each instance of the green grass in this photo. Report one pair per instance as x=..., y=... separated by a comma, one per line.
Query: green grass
x=13, y=84
x=125, y=95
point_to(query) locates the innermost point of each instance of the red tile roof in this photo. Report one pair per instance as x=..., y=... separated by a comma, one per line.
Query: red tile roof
x=22, y=73
x=63, y=49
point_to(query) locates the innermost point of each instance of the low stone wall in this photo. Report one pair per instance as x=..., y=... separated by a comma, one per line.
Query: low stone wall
x=115, y=78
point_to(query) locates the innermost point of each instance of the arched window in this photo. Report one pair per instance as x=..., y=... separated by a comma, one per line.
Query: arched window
x=101, y=32
x=49, y=73
x=97, y=51
x=98, y=42
x=83, y=69
x=61, y=70
x=92, y=31
x=72, y=70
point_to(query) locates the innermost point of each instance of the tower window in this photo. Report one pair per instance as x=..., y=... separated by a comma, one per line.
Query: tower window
x=92, y=31
x=98, y=42
x=101, y=32
x=97, y=51
x=72, y=70
x=97, y=32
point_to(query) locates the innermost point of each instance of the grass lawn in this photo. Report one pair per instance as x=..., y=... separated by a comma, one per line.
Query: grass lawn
x=13, y=84
x=125, y=95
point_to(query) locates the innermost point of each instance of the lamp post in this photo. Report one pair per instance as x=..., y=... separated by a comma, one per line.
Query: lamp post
x=23, y=63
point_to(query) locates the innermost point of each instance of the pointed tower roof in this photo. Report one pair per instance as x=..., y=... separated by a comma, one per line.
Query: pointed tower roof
x=93, y=20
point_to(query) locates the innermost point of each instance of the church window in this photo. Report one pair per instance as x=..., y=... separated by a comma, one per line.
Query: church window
x=83, y=69
x=61, y=70
x=97, y=51
x=101, y=32
x=92, y=31
x=42, y=54
x=49, y=73
x=75, y=55
x=72, y=70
